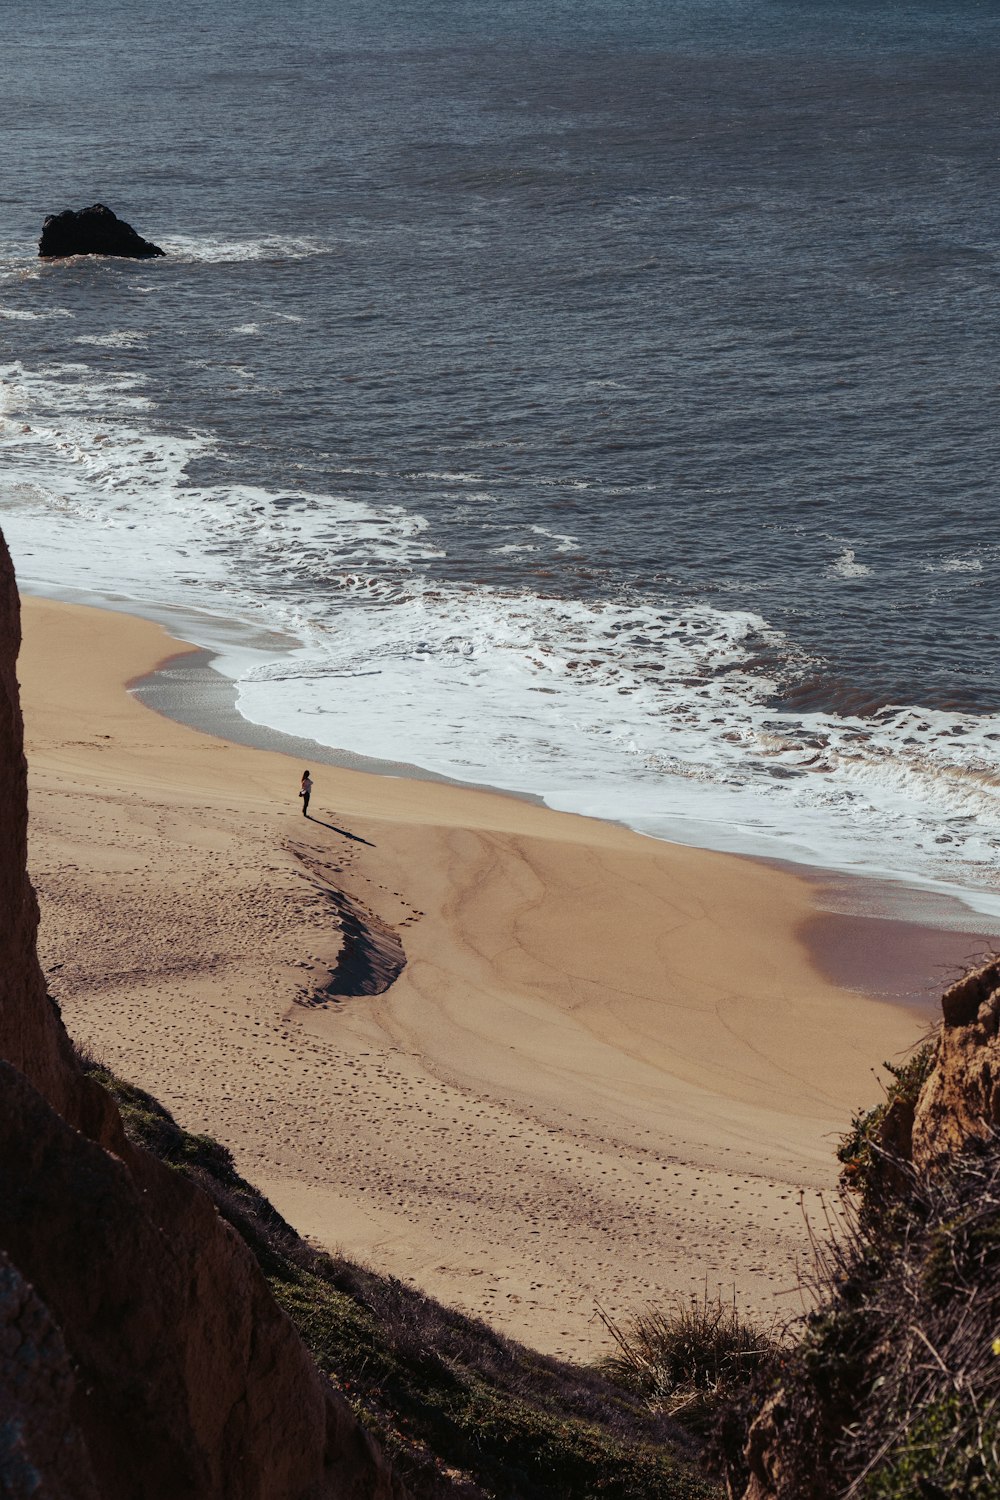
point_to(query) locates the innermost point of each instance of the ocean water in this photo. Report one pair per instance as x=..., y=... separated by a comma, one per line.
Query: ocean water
x=600, y=400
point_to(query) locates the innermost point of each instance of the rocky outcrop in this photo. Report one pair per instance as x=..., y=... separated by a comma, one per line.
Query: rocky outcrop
x=93, y=231
x=134, y=1322
x=960, y=1102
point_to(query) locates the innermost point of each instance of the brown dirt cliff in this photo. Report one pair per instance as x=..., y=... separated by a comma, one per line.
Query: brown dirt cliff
x=142, y=1356
x=960, y=1102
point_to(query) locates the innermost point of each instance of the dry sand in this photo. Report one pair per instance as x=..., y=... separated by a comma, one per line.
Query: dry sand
x=605, y=1071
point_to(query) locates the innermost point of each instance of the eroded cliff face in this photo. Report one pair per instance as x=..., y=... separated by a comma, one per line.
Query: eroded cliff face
x=141, y=1353
x=961, y=1099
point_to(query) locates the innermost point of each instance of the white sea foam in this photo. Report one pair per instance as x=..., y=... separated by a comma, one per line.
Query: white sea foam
x=75, y=451
x=637, y=709
x=564, y=542
x=24, y=315
x=127, y=339
x=847, y=566
x=448, y=476
x=956, y=565
x=212, y=250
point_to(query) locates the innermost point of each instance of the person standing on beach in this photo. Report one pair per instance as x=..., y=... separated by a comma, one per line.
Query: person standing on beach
x=305, y=792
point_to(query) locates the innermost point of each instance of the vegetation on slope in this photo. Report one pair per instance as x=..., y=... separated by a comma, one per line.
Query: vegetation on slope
x=893, y=1392
x=702, y=1364
x=875, y=1151
x=462, y=1411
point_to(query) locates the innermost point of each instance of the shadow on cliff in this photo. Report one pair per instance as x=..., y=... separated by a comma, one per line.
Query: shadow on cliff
x=142, y=1353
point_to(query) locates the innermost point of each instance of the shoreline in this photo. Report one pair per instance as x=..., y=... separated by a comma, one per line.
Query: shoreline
x=896, y=949
x=198, y=695
x=187, y=688
x=609, y=1071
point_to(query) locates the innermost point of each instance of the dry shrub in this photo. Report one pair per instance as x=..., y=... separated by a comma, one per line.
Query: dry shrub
x=692, y=1360
x=933, y=1388
x=893, y=1391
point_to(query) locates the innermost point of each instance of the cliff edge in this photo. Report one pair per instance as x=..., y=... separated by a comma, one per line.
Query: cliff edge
x=960, y=1102
x=893, y=1391
x=141, y=1352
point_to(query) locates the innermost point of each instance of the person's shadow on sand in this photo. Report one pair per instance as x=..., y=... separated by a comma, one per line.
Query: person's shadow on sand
x=344, y=832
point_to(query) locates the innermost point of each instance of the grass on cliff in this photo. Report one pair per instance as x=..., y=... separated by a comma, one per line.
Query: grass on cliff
x=870, y=1162
x=893, y=1392
x=697, y=1361
x=461, y=1410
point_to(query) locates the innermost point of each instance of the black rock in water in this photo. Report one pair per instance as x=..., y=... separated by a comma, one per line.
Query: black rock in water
x=93, y=231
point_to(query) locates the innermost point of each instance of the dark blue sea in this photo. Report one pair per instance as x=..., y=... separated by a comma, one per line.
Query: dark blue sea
x=594, y=400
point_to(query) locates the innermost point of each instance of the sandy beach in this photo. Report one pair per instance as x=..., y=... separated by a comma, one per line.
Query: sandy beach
x=532, y=1062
